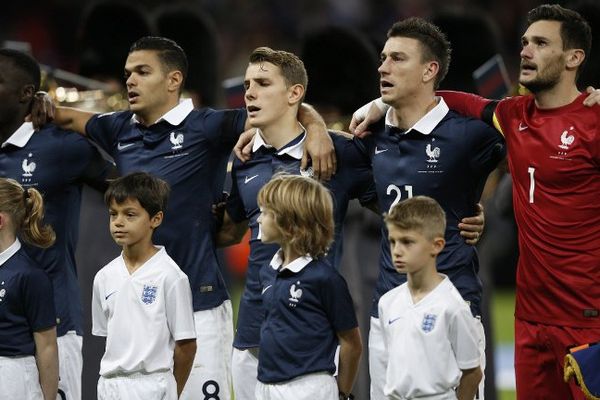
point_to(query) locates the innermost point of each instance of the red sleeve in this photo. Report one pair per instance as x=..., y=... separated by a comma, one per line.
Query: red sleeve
x=467, y=104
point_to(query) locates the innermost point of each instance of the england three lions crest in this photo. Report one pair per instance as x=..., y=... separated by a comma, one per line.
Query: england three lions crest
x=428, y=322
x=149, y=294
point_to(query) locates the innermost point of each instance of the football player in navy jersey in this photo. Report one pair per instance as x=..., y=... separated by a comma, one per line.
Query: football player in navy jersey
x=275, y=84
x=309, y=310
x=423, y=148
x=189, y=149
x=28, y=348
x=56, y=163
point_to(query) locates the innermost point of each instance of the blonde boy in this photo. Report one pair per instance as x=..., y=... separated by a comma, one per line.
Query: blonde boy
x=429, y=334
x=307, y=303
x=142, y=301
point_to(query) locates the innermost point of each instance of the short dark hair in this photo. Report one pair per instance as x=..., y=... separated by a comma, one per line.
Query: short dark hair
x=170, y=54
x=26, y=64
x=150, y=191
x=433, y=41
x=575, y=31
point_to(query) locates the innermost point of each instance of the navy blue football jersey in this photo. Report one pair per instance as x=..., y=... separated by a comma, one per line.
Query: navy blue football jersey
x=306, y=304
x=26, y=302
x=353, y=180
x=189, y=149
x=56, y=163
x=447, y=157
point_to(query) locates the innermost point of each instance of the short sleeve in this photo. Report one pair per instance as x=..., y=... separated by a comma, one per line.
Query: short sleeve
x=224, y=126
x=464, y=338
x=180, y=312
x=235, y=205
x=338, y=303
x=82, y=161
x=99, y=319
x=39, y=300
x=486, y=146
x=104, y=129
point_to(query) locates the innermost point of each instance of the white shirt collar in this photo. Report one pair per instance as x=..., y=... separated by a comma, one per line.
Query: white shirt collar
x=296, y=150
x=21, y=136
x=428, y=122
x=295, y=266
x=10, y=251
x=175, y=115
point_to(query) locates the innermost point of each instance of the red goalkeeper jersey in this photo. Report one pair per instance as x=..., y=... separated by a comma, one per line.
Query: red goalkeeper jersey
x=554, y=159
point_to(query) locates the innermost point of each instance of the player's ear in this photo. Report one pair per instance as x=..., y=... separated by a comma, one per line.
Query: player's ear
x=295, y=94
x=430, y=71
x=156, y=220
x=437, y=245
x=174, y=81
x=574, y=58
x=27, y=93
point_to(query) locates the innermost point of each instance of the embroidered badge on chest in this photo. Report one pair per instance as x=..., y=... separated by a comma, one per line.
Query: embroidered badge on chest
x=28, y=166
x=428, y=322
x=149, y=294
x=295, y=294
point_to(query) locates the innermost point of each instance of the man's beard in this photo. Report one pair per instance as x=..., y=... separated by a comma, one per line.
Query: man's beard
x=547, y=79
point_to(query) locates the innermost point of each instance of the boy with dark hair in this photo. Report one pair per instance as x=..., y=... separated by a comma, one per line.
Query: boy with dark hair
x=142, y=302
x=430, y=338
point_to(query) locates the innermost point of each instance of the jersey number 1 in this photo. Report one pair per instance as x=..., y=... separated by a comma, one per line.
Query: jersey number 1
x=531, y=171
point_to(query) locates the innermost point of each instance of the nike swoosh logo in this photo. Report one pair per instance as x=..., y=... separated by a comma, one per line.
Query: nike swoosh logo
x=124, y=146
x=378, y=151
x=522, y=127
x=106, y=298
x=391, y=321
x=265, y=289
x=249, y=179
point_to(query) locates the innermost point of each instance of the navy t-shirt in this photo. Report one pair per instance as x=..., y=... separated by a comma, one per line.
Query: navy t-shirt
x=192, y=157
x=26, y=305
x=56, y=163
x=451, y=165
x=304, y=312
x=353, y=180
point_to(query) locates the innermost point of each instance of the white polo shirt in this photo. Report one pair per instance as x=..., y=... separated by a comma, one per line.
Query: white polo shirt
x=427, y=343
x=141, y=314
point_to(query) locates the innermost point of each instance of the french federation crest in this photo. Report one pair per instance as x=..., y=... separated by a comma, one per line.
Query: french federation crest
x=428, y=322
x=149, y=294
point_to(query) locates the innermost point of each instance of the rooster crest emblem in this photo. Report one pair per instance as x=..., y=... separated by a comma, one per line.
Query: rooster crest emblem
x=28, y=167
x=566, y=140
x=295, y=294
x=176, y=140
x=432, y=153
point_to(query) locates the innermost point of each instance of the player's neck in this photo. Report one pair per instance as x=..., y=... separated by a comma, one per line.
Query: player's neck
x=422, y=282
x=7, y=239
x=289, y=255
x=137, y=254
x=150, y=116
x=407, y=111
x=282, y=131
x=563, y=93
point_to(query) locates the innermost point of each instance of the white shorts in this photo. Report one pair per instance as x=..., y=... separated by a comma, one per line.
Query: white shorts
x=138, y=386
x=244, y=368
x=211, y=374
x=70, y=365
x=377, y=367
x=19, y=378
x=319, y=386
